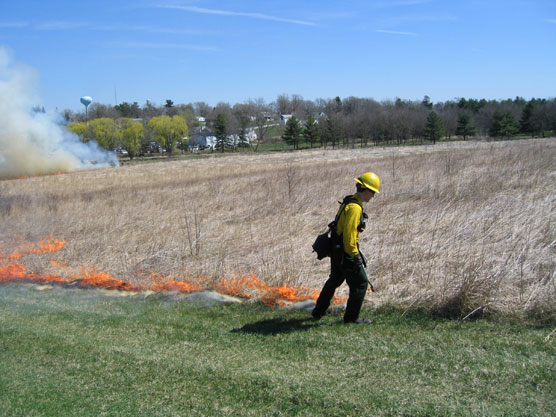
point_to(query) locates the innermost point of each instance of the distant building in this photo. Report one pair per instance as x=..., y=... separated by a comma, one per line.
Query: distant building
x=204, y=139
x=201, y=121
x=207, y=140
x=320, y=115
x=285, y=117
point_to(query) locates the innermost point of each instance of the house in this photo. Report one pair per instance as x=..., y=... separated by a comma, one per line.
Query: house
x=320, y=115
x=207, y=140
x=250, y=136
x=201, y=121
x=285, y=117
x=203, y=139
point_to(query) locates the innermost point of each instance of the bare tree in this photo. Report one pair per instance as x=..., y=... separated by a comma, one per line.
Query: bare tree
x=283, y=104
x=202, y=109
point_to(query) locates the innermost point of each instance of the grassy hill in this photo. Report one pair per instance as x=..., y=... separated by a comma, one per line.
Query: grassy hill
x=75, y=352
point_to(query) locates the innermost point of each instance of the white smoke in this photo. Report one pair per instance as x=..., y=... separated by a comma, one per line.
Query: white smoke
x=33, y=143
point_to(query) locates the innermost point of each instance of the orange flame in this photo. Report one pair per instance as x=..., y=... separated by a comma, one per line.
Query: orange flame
x=241, y=286
x=92, y=278
x=244, y=286
x=12, y=271
x=47, y=245
x=15, y=271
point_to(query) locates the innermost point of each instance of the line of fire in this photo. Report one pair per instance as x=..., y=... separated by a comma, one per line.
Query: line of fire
x=12, y=269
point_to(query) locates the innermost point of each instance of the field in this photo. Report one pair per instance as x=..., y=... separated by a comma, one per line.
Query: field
x=461, y=244
x=457, y=226
x=73, y=352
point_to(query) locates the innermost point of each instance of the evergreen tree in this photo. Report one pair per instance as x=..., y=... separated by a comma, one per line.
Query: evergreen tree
x=503, y=125
x=311, y=131
x=464, y=127
x=434, y=128
x=427, y=102
x=129, y=110
x=292, y=132
x=527, y=123
x=220, y=128
x=243, y=142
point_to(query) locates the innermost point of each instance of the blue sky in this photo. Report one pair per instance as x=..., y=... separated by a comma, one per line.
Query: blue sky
x=233, y=51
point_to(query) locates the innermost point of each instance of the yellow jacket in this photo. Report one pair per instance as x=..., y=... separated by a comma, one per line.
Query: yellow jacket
x=347, y=226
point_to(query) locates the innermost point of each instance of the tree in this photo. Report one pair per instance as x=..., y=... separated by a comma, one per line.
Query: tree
x=292, y=132
x=434, y=128
x=132, y=134
x=283, y=104
x=168, y=130
x=330, y=130
x=243, y=113
x=81, y=129
x=170, y=109
x=262, y=115
x=503, y=125
x=528, y=122
x=549, y=115
x=99, y=110
x=221, y=132
x=464, y=127
x=427, y=102
x=311, y=131
x=129, y=110
x=105, y=132
x=149, y=111
x=202, y=109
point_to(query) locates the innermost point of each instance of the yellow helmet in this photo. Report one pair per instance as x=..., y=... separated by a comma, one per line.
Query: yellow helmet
x=369, y=180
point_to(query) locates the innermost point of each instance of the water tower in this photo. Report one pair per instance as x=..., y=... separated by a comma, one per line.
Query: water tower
x=86, y=100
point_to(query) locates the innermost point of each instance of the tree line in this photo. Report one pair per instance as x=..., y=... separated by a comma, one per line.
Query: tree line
x=322, y=122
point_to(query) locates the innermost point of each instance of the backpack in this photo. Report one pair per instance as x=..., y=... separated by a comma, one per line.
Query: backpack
x=325, y=241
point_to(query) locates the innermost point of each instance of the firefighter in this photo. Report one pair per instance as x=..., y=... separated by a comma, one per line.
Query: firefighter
x=347, y=262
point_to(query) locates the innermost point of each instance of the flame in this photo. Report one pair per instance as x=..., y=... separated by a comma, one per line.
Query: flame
x=244, y=286
x=12, y=271
x=58, y=264
x=92, y=278
x=47, y=244
x=15, y=271
x=241, y=286
x=162, y=283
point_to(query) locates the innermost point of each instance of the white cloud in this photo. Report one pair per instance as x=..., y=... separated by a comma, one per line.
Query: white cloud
x=13, y=24
x=60, y=25
x=396, y=32
x=150, y=29
x=158, y=45
x=551, y=21
x=262, y=16
x=399, y=3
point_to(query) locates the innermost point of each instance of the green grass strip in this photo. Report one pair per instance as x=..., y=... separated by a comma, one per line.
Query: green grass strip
x=66, y=352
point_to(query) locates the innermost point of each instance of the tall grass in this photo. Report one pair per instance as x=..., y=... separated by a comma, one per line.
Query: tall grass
x=457, y=226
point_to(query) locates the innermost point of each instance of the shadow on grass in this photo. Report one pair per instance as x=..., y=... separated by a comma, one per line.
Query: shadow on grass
x=276, y=326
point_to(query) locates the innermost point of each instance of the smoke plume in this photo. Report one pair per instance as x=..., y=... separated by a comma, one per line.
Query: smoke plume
x=33, y=143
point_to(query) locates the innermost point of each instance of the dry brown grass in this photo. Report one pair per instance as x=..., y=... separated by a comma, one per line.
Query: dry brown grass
x=457, y=226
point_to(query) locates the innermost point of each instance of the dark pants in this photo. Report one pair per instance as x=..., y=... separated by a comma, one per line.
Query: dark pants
x=355, y=276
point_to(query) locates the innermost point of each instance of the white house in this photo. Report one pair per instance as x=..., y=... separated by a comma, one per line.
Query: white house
x=285, y=117
x=206, y=139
